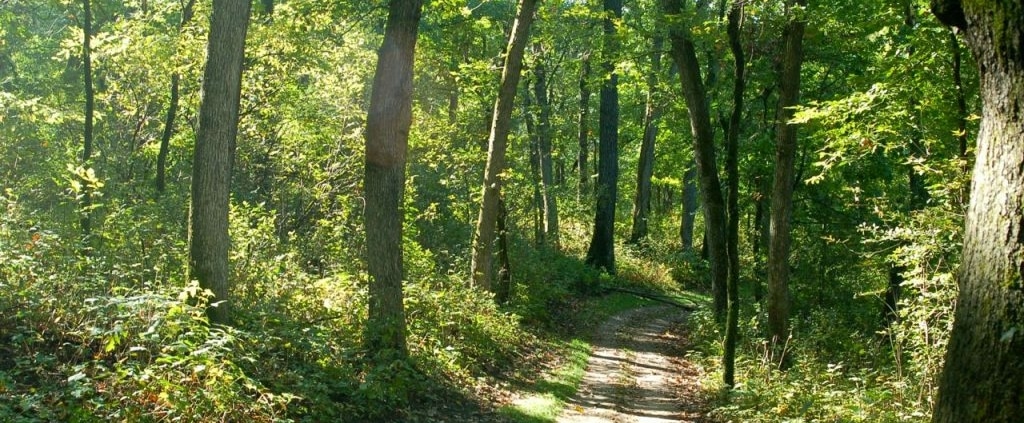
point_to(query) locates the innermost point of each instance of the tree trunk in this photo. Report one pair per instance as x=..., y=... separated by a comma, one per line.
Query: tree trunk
x=983, y=378
x=214, y=151
x=732, y=170
x=172, y=109
x=537, y=206
x=782, y=192
x=685, y=56
x=645, y=167
x=584, y=143
x=546, y=167
x=387, y=141
x=601, y=253
x=483, y=240
x=689, y=207
x=90, y=107
x=503, y=290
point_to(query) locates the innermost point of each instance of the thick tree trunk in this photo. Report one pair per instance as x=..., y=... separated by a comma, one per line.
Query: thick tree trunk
x=983, y=378
x=90, y=107
x=387, y=141
x=645, y=167
x=483, y=239
x=214, y=153
x=689, y=207
x=546, y=166
x=172, y=109
x=685, y=56
x=584, y=143
x=601, y=253
x=782, y=191
x=732, y=170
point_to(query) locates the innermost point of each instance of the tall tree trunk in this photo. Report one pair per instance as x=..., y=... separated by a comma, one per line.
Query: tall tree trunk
x=689, y=206
x=645, y=166
x=685, y=56
x=983, y=378
x=732, y=170
x=546, y=166
x=537, y=206
x=483, y=240
x=90, y=106
x=172, y=109
x=214, y=153
x=387, y=141
x=601, y=253
x=584, y=143
x=782, y=191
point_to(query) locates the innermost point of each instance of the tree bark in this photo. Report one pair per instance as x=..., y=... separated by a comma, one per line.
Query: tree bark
x=983, y=377
x=782, y=191
x=685, y=56
x=387, y=141
x=645, y=166
x=546, y=166
x=732, y=170
x=90, y=107
x=584, y=143
x=214, y=151
x=601, y=253
x=483, y=240
x=172, y=109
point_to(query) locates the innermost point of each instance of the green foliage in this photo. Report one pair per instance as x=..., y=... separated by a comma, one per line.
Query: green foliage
x=109, y=328
x=122, y=352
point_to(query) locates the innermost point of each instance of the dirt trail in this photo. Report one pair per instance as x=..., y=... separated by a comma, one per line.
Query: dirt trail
x=636, y=372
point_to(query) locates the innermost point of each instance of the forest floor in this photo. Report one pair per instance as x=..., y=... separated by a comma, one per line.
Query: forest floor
x=637, y=372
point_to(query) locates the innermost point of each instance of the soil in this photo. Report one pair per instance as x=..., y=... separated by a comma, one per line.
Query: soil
x=637, y=372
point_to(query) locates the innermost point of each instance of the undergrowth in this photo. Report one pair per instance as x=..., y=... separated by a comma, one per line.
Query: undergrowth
x=127, y=338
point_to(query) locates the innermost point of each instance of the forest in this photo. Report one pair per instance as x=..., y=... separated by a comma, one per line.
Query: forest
x=511, y=211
